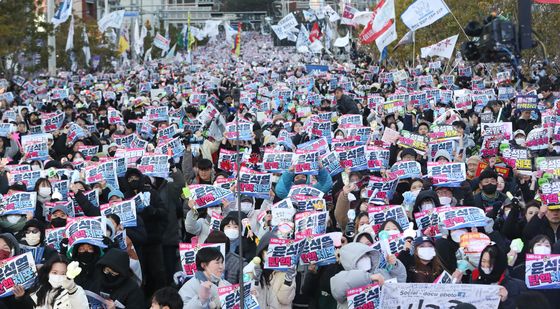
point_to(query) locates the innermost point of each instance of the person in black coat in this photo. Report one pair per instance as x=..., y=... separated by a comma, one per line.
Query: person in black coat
x=113, y=279
x=344, y=103
x=546, y=222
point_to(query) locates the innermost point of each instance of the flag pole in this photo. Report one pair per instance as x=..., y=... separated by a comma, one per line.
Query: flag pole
x=456, y=20
x=413, y=47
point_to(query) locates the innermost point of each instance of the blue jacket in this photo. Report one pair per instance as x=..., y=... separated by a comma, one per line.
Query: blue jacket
x=324, y=183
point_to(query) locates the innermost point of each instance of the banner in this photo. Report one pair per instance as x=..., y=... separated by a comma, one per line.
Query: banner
x=353, y=158
x=379, y=214
x=208, y=195
x=447, y=174
x=306, y=162
x=156, y=165
x=18, y=203
x=441, y=49
x=541, y=271
x=283, y=253
x=277, y=161
x=405, y=169
x=126, y=210
x=320, y=249
x=17, y=270
x=88, y=230
x=230, y=297
x=187, y=254
x=423, y=13
x=310, y=223
x=462, y=217
x=363, y=297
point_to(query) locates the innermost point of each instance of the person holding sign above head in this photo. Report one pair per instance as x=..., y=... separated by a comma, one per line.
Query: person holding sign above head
x=546, y=222
x=55, y=288
x=288, y=179
x=362, y=266
x=201, y=291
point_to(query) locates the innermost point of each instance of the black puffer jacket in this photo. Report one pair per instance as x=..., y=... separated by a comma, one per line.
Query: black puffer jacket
x=122, y=288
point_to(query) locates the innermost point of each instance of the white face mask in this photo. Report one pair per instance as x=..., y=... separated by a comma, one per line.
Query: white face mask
x=35, y=167
x=33, y=239
x=363, y=228
x=393, y=232
x=426, y=253
x=486, y=270
x=13, y=219
x=351, y=197
x=364, y=263
x=232, y=234
x=445, y=200
x=56, y=280
x=45, y=191
x=520, y=141
x=456, y=235
x=427, y=206
x=539, y=249
x=246, y=207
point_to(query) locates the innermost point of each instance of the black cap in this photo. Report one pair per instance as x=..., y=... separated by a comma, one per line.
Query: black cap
x=422, y=239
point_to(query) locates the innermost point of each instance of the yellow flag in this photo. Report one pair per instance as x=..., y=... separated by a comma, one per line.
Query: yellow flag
x=123, y=45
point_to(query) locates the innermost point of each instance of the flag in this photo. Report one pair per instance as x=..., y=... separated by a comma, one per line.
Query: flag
x=315, y=33
x=237, y=43
x=148, y=55
x=384, y=55
x=382, y=24
x=70, y=38
x=362, y=18
x=230, y=32
x=85, y=48
x=302, y=41
x=348, y=14
x=64, y=11
x=123, y=44
x=113, y=20
x=328, y=36
x=443, y=48
x=189, y=37
x=548, y=1
x=161, y=42
x=138, y=43
x=171, y=52
x=423, y=13
x=408, y=38
x=343, y=41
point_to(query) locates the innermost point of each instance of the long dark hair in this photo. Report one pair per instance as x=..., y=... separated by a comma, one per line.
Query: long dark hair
x=266, y=273
x=435, y=265
x=42, y=286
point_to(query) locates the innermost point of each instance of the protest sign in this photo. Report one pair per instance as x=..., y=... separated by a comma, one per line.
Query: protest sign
x=537, y=139
x=18, y=203
x=305, y=190
x=208, y=195
x=282, y=211
x=541, y=271
x=526, y=102
x=444, y=278
x=353, y=158
x=283, y=253
x=173, y=147
x=412, y=140
x=54, y=236
x=364, y=297
x=443, y=132
x=447, y=174
x=126, y=210
x=379, y=214
x=74, y=133
x=277, y=161
x=377, y=158
x=427, y=221
x=255, y=184
x=548, y=164
x=321, y=128
x=331, y=162
x=227, y=161
x=89, y=230
x=88, y=151
x=15, y=271
x=462, y=217
x=350, y=119
x=155, y=165
x=396, y=244
x=187, y=254
x=429, y=295
x=36, y=151
x=157, y=113
x=244, y=128
x=405, y=169
x=308, y=203
x=306, y=162
x=124, y=140
x=500, y=129
x=382, y=187
x=319, y=249
x=28, y=178
x=106, y=171
x=230, y=297
x=473, y=243
x=310, y=223
x=51, y=121
x=320, y=145
x=208, y=114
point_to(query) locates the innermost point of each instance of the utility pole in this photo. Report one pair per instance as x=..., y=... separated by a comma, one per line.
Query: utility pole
x=51, y=41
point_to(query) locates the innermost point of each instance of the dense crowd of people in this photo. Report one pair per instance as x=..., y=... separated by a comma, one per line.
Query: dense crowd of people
x=411, y=144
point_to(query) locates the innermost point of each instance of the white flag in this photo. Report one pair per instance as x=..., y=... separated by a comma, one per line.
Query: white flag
x=408, y=38
x=113, y=19
x=136, y=35
x=386, y=38
x=316, y=46
x=443, y=48
x=211, y=28
x=362, y=18
x=303, y=40
x=87, y=52
x=230, y=32
x=64, y=11
x=148, y=55
x=423, y=13
x=171, y=52
x=343, y=41
x=70, y=38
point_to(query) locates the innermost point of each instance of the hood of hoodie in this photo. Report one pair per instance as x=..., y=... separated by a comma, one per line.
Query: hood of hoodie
x=12, y=242
x=117, y=260
x=424, y=195
x=352, y=252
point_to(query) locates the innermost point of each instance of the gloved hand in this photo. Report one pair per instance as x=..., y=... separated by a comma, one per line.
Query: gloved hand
x=291, y=274
x=258, y=272
x=516, y=245
x=69, y=285
x=73, y=270
x=489, y=227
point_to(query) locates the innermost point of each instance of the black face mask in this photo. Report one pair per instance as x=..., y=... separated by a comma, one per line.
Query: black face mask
x=85, y=258
x=58, y=222
x=489, y=189
x=300, y=182
x=112, y=153
x=111, y=282
x=134, y=184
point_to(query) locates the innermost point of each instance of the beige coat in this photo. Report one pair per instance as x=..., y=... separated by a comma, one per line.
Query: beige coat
x=277, y=295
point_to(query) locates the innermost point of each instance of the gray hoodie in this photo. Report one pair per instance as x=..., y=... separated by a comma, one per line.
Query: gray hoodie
x=352, y=277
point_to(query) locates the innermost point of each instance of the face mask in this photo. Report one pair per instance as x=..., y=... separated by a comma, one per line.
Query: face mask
x=246, y=207
x=56, y=280
x=33, y=239
x=445, y=200
x=35, y=167
x=489, y=189
x=4, y=254
x=232, y=234
x=486, y=270
x=45, y=192
x=85, y=258
x=393, y=232
x=134, y=184
x=364, y=263
x=456, y=235
x=520, y=141
x=300, y=182
x=58, y=222
x=13, y=219
x=427, y=206
x=112, y=153
x=363, y=228
x=426, y=253
x=539, y=249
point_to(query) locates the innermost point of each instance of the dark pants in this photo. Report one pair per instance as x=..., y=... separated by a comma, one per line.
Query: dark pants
x=171, y=261
x=154, y=269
